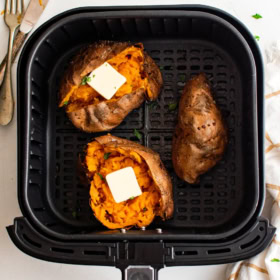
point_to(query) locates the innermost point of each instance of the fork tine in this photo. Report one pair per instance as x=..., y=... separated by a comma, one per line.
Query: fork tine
x=12, y=6
x=6, y=7
x=22, y=6
x=17, y=6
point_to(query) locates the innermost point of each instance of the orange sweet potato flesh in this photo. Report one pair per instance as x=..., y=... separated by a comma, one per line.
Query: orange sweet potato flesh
x=108, y=154
x=86, y=108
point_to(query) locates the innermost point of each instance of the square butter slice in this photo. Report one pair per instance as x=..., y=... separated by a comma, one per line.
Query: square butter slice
x=106, y=80
x=123, y=184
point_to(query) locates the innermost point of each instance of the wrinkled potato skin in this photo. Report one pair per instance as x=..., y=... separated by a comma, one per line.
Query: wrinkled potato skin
x=200, y=136
x=106, y=115
x=155, y=165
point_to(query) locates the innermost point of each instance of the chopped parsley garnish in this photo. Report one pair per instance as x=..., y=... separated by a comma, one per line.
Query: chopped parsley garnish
x=65, y=103
x=172, y=106
x=257, y=16
x=144, y=209
x=182, y=78
x=137, y=134
x=86, y=79
x=275, y=260
x=106, y=156
x=132, y=197
x=257, y=37
x=101, y=177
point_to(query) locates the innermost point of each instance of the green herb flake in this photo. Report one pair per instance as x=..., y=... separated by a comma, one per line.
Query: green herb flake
x=182, y=78
x=65, y=103
x=137, y=134
x=275, y=260
x=257, y=37
x=161, y=67
x=86, y=79
x=172, y=106
x=132, y=197
x=257, y=16
x=106, y=156
x=74, y=214
x=144, y=209
x=101, y=177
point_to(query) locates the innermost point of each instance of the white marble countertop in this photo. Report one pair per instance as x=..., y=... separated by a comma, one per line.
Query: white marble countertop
x=16, y=265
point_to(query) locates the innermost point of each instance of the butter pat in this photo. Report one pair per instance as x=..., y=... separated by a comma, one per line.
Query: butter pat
x=123, y=184
x=106, y=80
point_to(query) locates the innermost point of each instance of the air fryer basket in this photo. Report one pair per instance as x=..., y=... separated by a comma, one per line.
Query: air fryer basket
x=214, y=221
x=225, y=199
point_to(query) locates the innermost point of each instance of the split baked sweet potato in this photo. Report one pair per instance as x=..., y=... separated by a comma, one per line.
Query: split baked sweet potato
x=85, y=107
x=200, y=136
x=107, y=154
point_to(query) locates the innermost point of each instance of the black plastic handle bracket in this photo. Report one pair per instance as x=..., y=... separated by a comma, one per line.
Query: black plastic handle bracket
x=141, y=259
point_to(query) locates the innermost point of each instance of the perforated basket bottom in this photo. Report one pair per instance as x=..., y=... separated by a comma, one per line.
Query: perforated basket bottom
x=208, y=204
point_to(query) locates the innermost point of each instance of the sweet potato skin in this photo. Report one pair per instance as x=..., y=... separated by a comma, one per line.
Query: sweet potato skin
x=104, y=116
x=107, y=114
x=200, y=136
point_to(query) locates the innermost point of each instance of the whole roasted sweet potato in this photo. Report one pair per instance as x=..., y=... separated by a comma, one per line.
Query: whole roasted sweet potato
x=107, y=154
x=200, y=136
x=86, y=108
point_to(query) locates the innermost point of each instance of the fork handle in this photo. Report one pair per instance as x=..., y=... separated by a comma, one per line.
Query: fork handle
x=6, y=94
x=18, y=42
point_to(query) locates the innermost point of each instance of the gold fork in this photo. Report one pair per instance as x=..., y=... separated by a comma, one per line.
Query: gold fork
x=12, y=20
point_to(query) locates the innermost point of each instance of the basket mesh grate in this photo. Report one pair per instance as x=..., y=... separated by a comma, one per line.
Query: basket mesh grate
x=207, y=204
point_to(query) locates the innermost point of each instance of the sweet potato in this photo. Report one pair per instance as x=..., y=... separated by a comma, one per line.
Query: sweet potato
x=85, y=107
x=200, y=136
x=109, y=153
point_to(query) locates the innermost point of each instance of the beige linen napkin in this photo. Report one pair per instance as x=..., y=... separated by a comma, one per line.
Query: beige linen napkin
x=265, y=266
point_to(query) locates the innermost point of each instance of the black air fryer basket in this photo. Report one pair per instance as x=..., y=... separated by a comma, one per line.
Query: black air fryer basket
x=215, y=221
